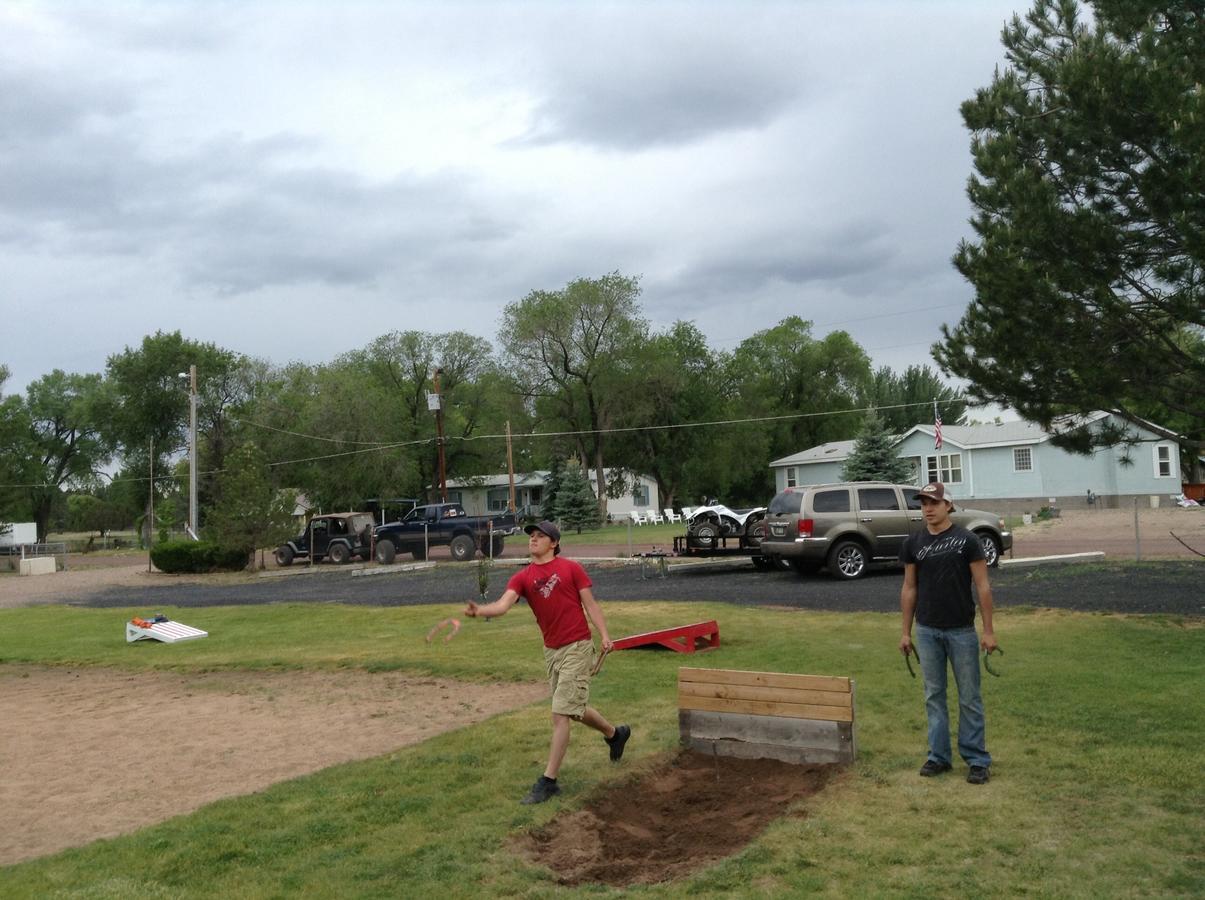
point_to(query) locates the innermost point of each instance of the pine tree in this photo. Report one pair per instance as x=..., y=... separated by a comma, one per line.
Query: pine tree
x=1087, y=258
x=549, y=499
x=874, y=457
x=577, y=506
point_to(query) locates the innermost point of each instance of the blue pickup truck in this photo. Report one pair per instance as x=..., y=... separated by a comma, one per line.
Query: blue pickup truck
x=440, y=525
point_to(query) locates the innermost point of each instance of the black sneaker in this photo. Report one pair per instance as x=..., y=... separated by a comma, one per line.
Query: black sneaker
x=543, y=789
x=978, y=775
x=617, y=741
x=933, y=767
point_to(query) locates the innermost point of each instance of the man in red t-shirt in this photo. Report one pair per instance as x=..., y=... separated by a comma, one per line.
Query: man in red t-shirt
x=559, y=593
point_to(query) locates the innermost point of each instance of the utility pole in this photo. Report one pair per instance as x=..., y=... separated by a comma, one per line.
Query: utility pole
x=435, y=402
x=192, y=452
x=510, y=470
x=150, y=505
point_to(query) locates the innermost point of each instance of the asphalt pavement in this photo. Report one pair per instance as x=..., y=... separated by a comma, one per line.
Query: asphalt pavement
x=1164, y=587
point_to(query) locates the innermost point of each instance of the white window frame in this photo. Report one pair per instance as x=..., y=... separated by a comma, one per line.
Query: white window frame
x=942, y=466
x=1022, y=453
x=640, y=494
x=792, y=477
x=1163, y=457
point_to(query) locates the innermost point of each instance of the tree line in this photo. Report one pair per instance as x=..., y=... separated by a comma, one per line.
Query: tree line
x=578, y=374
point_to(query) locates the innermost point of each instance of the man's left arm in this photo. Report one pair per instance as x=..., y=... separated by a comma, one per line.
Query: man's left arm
x=984, y=589
x=595, y=614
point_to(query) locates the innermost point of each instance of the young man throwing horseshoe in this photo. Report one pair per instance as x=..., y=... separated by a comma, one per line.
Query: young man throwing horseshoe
x=559, y=593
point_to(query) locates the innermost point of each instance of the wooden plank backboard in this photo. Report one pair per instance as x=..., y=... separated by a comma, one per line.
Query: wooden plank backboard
x=776, y=715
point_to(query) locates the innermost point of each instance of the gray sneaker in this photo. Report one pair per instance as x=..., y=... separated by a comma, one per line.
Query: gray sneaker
x=542, y=790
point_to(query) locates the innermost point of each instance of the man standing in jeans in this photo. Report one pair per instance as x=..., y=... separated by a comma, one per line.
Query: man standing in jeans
x=939, y=564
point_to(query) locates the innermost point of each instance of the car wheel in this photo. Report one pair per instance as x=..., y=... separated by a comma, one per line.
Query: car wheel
x=338, y=553
x=762, y=563
x=462, y=547
x=386, y=552
x=284, y=556
x=991, y=549
x=707, y=535
x=419, y=553
x=804, y=566
x=848, y=560
x=497, y=545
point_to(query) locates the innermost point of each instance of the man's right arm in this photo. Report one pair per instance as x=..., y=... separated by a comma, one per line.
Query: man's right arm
x=492, y=610
x=907, y=607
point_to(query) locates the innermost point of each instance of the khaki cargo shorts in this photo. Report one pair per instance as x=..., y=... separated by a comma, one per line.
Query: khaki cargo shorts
x=569, y=676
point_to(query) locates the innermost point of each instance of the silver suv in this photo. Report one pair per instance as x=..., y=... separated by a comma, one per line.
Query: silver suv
x=848, y=526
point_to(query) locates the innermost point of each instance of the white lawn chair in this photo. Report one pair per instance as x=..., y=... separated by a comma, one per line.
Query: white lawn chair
x=637, y=519
x=671, y=516
x=686, y=513
x=655, y=517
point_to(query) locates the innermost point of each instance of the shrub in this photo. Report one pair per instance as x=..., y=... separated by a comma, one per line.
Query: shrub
x=185, y=556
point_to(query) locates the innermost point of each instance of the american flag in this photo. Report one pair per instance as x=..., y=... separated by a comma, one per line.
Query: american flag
x=936, y=427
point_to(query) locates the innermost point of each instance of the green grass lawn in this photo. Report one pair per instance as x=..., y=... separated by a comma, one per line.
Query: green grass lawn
x=1096, y=728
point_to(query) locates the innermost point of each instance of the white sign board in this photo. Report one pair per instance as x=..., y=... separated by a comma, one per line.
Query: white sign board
x=433, y=403
x=19, y=533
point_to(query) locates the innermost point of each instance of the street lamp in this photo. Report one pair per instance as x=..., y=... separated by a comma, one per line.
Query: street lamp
x=191, y=375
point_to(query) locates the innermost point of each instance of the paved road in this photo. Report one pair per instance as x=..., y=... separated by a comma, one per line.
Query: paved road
x=1169, y=587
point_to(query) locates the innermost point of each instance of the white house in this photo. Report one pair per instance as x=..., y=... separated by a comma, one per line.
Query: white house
x=489, y=493
x=1012, y=464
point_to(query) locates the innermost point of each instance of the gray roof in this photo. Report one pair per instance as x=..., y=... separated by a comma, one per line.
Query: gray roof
x=830, y=452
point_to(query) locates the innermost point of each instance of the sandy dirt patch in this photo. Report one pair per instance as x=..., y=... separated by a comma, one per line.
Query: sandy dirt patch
x=693, y=811
x=1113, y=531
x=84, y=756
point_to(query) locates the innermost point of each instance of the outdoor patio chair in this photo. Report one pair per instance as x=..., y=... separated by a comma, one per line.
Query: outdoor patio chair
x=655, y=517
x=637, y=519
x=671, y=516
x=686, y=512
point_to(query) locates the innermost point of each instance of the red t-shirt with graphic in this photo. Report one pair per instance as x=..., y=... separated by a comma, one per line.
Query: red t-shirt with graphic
x=553, y=591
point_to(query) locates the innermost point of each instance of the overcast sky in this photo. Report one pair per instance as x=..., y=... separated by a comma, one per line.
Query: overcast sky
x=291, y=180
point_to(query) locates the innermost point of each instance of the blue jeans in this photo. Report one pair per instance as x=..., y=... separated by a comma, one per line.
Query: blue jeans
x=960, y=647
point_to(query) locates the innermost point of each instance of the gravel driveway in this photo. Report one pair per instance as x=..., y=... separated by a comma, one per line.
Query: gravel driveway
x=1169, y=587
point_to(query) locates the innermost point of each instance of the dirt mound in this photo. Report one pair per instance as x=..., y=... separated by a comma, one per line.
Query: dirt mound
x=685, y=815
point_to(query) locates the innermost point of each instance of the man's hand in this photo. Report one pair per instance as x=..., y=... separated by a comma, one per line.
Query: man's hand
x=607, y=645
x=471, y=610
x=906, y=647
x=988, y=642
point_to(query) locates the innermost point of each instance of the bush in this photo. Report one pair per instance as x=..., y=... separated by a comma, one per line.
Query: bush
x=176, y=557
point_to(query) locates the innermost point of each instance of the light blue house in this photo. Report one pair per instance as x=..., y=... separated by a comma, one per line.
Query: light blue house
x=1013, y=465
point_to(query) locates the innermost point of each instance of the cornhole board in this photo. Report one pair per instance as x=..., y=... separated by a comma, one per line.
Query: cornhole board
x=169, y=632
x=681, y=639
x=767, y=715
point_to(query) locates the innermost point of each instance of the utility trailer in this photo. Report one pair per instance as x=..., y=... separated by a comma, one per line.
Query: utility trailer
x=723, y=545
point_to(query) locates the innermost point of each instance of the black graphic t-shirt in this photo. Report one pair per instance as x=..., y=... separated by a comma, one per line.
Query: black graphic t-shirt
x=943, y=575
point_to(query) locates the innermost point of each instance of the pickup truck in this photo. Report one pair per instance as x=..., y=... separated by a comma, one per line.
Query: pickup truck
x=444, y=524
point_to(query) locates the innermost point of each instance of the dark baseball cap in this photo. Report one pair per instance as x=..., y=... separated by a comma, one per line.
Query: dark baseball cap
x=549, y=529
x=934, y=491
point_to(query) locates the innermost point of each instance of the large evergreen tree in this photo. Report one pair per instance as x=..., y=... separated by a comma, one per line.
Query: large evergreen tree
x=874, y=456
x=577, y=507
x=1088, y=260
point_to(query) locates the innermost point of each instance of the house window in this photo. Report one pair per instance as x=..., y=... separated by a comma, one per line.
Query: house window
x=946, y=467
x=455, y=497
x=640, y=495
x=1022, y=459
x=498, y=500
x=1163, y=461
x=792, y=477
